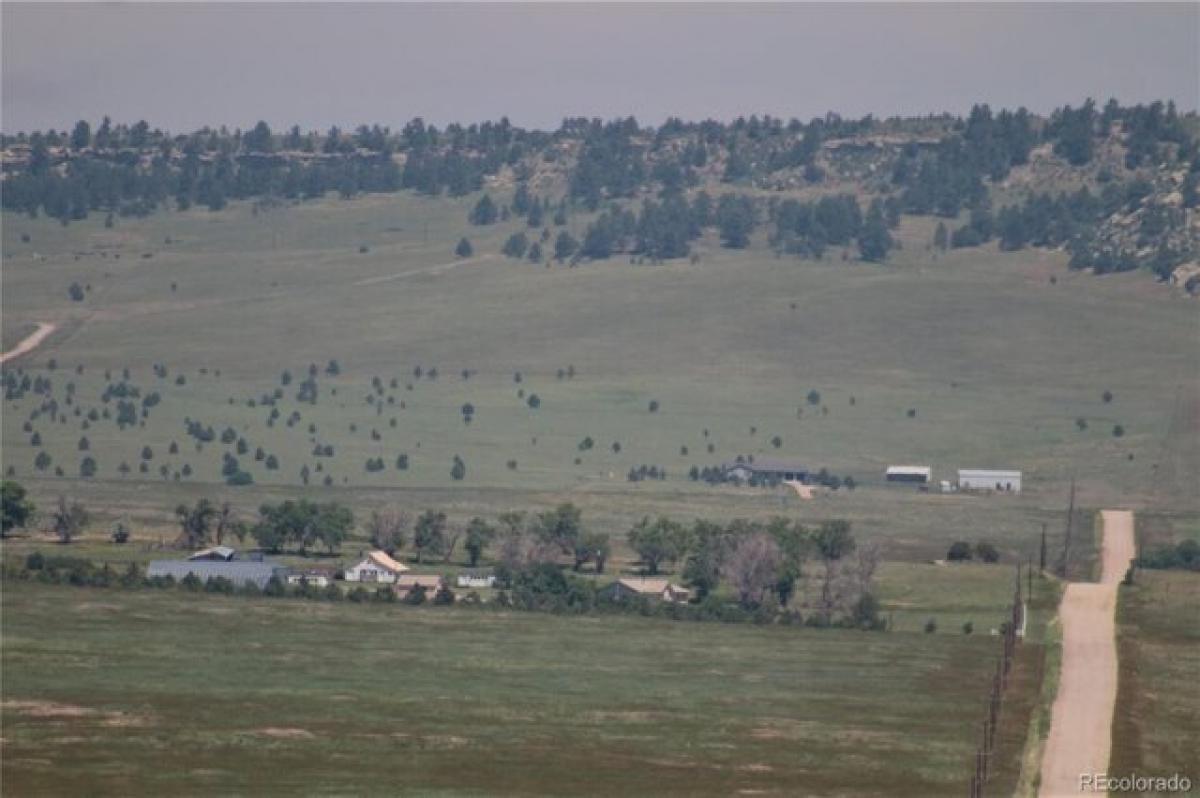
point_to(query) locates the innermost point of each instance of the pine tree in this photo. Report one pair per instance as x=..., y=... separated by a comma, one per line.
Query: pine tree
x=484, y=212
x=941, y=237
x=874, y=241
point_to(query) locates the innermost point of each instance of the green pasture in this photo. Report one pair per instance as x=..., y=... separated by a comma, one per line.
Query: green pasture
x=995, y=360
x=1157, y=731
x=115, y=693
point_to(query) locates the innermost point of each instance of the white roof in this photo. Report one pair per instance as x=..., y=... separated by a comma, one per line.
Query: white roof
x=984, y=473
x=224, y=552
x=910, y=469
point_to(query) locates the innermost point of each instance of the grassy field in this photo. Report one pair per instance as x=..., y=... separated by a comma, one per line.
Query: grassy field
x=112, y=693
x=972, y=358
x=1157, y=733
x=996, y=362
x=1158, y=636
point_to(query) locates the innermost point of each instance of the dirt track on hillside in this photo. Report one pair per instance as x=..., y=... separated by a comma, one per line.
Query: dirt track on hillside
x=1081, y=722
x=440, y=268
x=31, y=342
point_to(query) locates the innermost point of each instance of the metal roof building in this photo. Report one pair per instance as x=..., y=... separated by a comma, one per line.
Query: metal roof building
x=997, y=479
x=240, y=572
x=790, y=470
x=909, y=473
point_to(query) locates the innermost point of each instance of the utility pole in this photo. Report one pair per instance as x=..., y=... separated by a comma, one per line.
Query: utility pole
x=1066, y=555
x=1042, y=560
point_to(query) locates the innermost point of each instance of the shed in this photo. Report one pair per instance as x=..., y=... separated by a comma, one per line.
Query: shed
x=1004, y=480
x=316, y=577
x=909, y=473
x=475, y=580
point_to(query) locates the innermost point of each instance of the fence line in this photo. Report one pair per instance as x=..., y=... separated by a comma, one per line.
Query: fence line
x=985, y=753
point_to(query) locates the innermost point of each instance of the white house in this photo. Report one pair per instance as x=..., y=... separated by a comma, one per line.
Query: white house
x=1003, y=480
x=377, y=566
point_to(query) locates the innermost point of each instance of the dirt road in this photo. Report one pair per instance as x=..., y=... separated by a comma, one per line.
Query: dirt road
x=1081, y=720
x=441, y=268
x=31, y=342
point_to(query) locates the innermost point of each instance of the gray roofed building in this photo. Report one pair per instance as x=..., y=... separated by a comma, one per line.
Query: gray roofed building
x=240, y=572
x=788, y=470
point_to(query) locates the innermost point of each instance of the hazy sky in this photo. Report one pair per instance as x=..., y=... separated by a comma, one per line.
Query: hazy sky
x=180, y=66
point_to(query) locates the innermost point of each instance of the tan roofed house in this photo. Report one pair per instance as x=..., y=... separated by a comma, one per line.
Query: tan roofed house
x=431, y=582
x=377, y=566
x=650, y=587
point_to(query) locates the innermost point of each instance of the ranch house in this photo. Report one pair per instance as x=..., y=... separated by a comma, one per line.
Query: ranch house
x=377, y=566
x=405, y=584
x=631, y=587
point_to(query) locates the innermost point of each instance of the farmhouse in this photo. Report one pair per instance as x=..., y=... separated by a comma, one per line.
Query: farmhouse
x=377, y=566
x=769, y=467
x=631, y=587
x=405, y=584
x=909, y=473
x=989, y=479
x=240, y=572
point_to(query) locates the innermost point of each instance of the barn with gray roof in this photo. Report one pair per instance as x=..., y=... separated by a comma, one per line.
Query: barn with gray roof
x=240, y=572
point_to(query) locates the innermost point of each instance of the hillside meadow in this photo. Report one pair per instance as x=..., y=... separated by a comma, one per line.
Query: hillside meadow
x=964, y=359
x=971, y=358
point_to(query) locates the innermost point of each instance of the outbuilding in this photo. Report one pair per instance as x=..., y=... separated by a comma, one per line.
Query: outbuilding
x=766, y=467
x=216, y=553
x=909, y=473
x=1002, y=480
x=475, y=580
x=312, y=577
x=240, y=572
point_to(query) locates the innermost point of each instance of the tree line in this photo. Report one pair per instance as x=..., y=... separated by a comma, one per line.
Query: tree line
x=761, y=564
x=133, y=169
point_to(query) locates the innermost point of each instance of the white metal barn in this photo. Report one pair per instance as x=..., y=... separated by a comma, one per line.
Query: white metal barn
x=909, y=473
x=989, y=479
